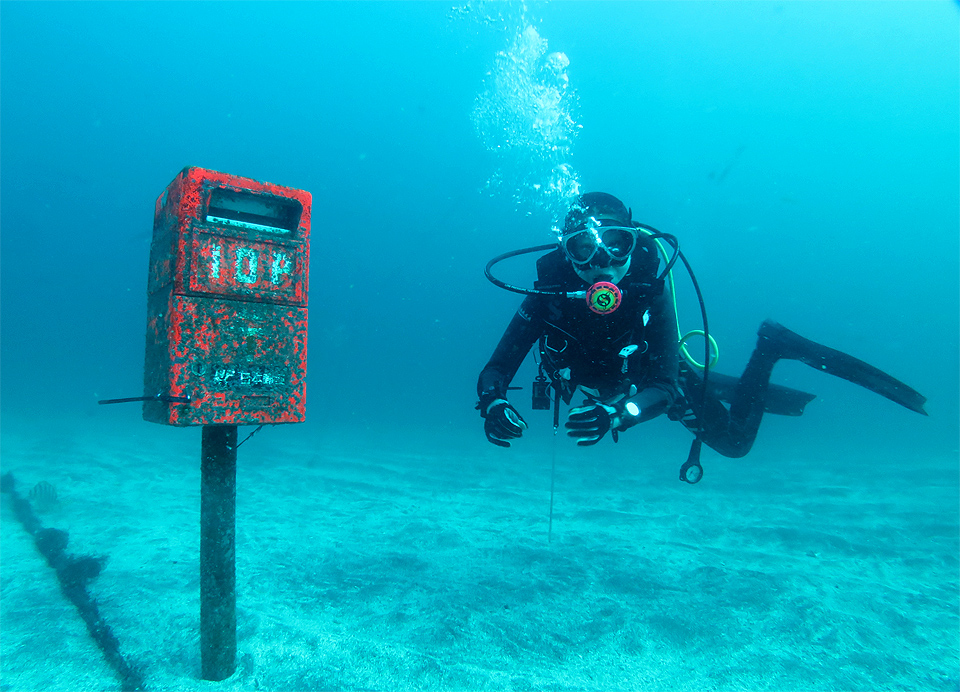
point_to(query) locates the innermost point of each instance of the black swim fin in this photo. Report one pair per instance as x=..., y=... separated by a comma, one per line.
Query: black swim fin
x=777, y=340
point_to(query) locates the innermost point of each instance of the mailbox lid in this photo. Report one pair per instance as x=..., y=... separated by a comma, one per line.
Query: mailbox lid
x=261, y=227
x=246, y=269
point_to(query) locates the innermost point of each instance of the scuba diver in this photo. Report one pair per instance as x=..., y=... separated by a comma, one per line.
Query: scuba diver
x=606, y=323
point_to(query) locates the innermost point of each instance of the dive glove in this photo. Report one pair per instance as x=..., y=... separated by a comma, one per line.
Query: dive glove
x=588, y=424
x=502, y=423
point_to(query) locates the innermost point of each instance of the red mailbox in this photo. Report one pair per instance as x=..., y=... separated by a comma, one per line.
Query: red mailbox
x=227, y=302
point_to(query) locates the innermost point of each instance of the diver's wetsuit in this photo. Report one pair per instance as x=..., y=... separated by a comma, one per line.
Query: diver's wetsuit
x=732, y=432
x=580, y=348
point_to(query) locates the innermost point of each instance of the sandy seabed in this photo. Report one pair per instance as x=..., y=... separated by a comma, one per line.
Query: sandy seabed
x=408, y=562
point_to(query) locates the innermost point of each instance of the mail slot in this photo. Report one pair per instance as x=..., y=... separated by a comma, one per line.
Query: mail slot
x=227, y=302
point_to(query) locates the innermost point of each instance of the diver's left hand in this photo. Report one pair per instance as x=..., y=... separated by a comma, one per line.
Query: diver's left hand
x=588, y=424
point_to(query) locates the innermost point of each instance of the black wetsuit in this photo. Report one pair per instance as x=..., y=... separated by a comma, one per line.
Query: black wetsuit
x=581, y=348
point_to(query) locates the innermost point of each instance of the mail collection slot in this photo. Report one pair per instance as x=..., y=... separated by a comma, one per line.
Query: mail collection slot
x=227, y=302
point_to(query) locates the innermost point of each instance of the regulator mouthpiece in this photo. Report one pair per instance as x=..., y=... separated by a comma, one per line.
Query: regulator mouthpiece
x=603, y=297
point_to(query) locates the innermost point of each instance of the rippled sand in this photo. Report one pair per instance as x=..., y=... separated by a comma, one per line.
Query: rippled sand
x=421, y=563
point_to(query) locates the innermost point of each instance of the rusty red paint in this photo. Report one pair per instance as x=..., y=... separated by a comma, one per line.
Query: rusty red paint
x=247, y=270
x=227, y=301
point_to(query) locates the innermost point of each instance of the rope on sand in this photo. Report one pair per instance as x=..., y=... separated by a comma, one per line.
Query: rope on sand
x=75, y=572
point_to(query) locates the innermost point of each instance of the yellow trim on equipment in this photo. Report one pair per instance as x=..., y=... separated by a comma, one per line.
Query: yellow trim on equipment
x=695, y=332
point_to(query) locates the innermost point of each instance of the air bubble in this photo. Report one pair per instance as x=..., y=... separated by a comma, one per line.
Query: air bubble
x=526, y=116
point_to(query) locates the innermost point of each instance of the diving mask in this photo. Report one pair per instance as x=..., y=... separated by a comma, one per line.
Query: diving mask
x=582, y=246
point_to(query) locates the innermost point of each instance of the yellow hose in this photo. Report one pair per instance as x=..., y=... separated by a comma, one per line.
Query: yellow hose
x=714, y=347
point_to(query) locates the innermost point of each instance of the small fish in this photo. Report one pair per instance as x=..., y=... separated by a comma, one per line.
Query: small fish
x=44, y=496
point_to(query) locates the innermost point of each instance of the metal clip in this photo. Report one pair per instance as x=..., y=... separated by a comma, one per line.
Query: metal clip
x=625, y=353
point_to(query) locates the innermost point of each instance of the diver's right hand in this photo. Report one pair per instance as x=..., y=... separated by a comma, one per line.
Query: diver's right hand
x=502, y=423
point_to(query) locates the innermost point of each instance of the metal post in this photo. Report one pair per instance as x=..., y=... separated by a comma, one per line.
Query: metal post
x=218, y=597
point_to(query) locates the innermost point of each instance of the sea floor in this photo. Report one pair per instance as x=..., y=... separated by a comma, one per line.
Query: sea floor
x=412, y=563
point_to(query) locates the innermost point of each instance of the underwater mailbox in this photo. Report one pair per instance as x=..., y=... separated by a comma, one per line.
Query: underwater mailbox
x=227, y=302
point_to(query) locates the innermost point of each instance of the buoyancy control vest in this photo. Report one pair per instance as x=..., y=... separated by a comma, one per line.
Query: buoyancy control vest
x=580, y=347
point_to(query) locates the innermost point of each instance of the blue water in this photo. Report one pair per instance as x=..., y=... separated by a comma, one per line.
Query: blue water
x=807, y=156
